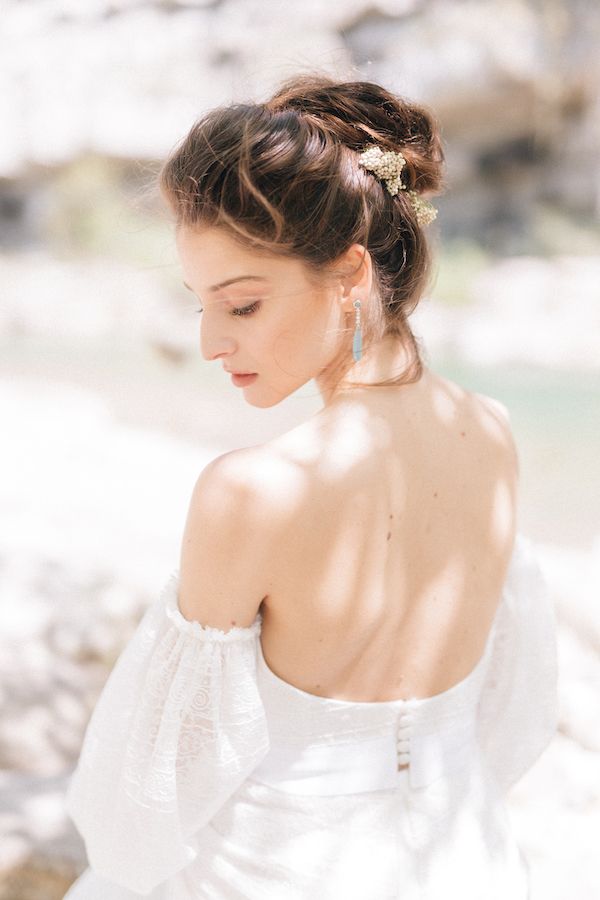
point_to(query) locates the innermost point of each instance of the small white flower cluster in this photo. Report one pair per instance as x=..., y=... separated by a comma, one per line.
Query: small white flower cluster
x=424, y=210
x=388, y=165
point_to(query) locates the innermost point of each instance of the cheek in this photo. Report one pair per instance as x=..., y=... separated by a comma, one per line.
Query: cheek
x=295, y=343
x=304, y=338
x=286, y=343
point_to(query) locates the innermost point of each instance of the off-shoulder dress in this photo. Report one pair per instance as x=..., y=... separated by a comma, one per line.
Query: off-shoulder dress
x=204, y=776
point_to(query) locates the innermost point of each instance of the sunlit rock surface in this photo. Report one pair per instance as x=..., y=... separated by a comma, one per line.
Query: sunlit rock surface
x=125, y=79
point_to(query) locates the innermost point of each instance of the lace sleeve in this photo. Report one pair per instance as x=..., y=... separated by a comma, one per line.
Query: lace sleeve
x=177, y=728
x=518, y=709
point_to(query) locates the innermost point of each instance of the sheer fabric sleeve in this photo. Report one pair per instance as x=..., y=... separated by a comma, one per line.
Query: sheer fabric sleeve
x=518, y=708
x=177, y=728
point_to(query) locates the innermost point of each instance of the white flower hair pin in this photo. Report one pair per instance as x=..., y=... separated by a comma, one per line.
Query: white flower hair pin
x=388, y=165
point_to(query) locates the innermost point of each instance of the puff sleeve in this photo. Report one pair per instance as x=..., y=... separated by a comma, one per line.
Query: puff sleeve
x=177, y=728
x=518, y=707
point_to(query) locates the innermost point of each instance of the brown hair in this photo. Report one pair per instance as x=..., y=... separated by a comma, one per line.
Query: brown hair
x=283, y=176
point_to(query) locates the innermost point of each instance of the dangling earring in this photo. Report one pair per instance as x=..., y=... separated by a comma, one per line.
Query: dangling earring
x=357, y=342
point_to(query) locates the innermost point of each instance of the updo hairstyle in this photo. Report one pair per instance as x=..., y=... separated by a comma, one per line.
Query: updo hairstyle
x=282, y=177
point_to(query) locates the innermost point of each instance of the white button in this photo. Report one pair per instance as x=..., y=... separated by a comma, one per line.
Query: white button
x=403, y=757
x=403, y=743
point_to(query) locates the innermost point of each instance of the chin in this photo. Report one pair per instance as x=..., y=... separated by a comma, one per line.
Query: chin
x=267, y=398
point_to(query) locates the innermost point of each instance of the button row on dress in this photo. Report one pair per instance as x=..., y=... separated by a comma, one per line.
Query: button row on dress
x=403, y=741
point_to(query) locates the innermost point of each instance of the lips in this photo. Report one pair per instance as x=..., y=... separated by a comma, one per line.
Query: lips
x=243, y=380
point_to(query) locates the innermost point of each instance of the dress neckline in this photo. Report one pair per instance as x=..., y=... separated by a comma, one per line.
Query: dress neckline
x=456, y=689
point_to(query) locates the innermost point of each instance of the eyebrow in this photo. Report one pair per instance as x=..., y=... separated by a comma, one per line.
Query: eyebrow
x=222, y=284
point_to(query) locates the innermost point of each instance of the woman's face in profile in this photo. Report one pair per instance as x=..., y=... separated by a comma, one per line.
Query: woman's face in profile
x=260, y=314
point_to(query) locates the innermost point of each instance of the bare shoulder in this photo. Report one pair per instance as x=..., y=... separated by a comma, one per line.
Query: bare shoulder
x=497, y=408
x=230, y=538
x=256, y=485
x=489, y=417
x=495, y=418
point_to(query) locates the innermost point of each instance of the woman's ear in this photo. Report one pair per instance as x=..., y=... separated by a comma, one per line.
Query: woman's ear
x=357, y=277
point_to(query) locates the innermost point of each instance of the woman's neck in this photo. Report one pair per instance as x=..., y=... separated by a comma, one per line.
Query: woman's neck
x=387, y=359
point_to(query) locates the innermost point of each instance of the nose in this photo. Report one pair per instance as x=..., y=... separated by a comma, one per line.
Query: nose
x=214, y=344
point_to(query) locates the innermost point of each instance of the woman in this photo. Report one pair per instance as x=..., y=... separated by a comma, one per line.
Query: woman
x=356, y=657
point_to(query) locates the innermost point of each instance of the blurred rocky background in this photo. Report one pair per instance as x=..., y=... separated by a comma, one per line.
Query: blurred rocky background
x=109, y=413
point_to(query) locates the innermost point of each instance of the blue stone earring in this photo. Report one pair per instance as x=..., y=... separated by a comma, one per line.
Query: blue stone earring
x=357, y=342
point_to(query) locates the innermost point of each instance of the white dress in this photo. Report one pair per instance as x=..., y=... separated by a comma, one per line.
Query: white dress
x=204, y=775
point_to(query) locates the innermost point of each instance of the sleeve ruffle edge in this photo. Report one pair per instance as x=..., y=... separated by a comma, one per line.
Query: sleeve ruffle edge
x=197, y=630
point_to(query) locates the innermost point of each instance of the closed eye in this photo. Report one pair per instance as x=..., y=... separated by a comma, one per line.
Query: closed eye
x=241, y=310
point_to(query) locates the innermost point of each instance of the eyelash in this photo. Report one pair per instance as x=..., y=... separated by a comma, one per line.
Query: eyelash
x=241, y=310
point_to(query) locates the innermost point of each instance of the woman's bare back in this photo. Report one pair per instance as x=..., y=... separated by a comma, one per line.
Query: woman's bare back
x=400, y=527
